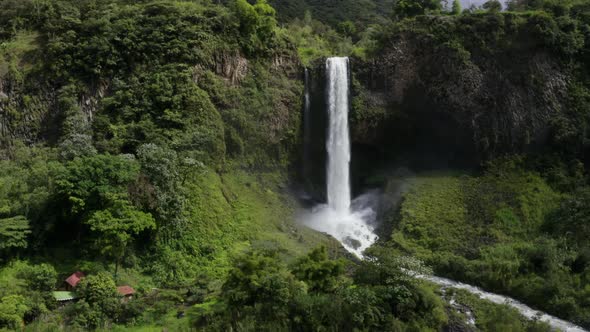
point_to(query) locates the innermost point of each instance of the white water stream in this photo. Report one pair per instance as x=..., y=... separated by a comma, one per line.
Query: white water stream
x=524, y=310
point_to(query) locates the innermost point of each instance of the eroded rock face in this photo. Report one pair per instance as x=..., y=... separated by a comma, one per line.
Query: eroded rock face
x=232, y=66
x=22, y=113
x=490, y=105
x=288, y=63
x=89, y=103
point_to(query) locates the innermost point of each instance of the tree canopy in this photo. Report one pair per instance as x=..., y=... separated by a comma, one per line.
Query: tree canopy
x=14, y=232
x=409, y=8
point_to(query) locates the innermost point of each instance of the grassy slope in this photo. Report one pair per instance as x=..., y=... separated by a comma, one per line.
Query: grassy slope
x=450, y=213
x=488, y=230
x=238, y=209
x=438, y=199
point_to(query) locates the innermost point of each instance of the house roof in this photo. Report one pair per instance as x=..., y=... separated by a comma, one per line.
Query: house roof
x=75, y=278
x=125, y=290
x=61, y=296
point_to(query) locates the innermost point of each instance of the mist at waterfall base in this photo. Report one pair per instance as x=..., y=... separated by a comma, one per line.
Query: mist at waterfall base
x=354, y=228
x=352, y=222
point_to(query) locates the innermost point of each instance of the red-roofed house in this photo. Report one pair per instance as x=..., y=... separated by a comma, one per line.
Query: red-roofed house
x=73, y=280
x=126, y=291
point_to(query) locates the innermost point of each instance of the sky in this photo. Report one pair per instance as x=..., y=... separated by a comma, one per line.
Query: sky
x=467, y=3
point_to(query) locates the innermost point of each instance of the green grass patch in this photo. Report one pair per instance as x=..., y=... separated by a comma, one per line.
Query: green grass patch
x=233, y=211
x=13, y=53
x=433, y=216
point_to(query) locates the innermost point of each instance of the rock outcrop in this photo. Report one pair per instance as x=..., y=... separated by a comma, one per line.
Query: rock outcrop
x=22, y=113
x=479, y=103
x=232, y=66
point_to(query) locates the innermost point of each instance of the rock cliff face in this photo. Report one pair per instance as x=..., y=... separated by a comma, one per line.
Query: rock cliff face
x=89, y=103
x=22, y=114
x=232, y=67
x=418, y=92
x=315, y=179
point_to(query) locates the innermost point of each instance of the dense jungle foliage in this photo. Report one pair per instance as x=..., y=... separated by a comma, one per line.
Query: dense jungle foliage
x=155, y=143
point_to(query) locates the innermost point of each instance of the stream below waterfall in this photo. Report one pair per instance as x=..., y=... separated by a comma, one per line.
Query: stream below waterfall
x=524, y=310
x=352, y=221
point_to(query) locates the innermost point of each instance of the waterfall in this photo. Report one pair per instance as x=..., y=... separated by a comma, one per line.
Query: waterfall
x=338, y=143
x=349, y=221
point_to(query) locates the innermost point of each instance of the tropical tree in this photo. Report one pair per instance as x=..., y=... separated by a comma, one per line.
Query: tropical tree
x=320, y=273
x=14, y=232
x=42, y=277
x=12, y=311
x=257, y=23
x=88, y=183
x=266, y=19
x=493, y=6
x=117, y=225
x=98, y=303
x=97, y=288
x=347, y=28
x=409, y=8
x=96, y=192
x=456, y=9
x=261, y=287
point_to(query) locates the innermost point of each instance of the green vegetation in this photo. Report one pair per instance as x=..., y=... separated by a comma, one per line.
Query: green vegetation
x=492, y=6
x=409, y=8
x=98, y=301
x=25, y=293
x=332, y=12
x=263, y=294
x=490, y=317
x=14, y=232
x=506, y=230
x=144, y=144
x=456, y=8
x=152, y=143
x=315, y=40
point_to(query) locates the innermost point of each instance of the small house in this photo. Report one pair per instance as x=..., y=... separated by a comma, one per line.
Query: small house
x=63, y=297
x=126, y=292
x=73, y=280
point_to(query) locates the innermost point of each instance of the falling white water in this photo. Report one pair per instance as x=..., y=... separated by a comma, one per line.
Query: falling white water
x=351, y=223
x=338, y=144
